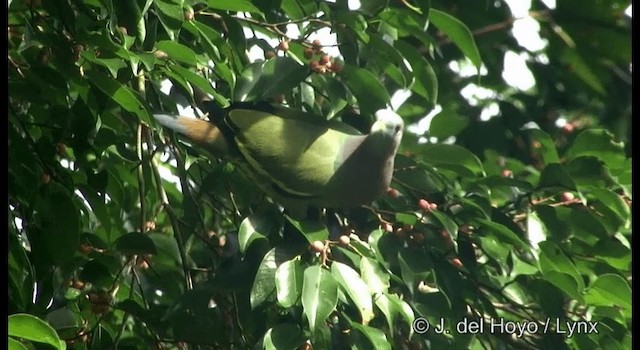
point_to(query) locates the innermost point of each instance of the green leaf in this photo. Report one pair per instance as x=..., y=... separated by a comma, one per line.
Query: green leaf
x=199, y=81
x=598, y=143
x=135, y=243
x=319, y=295
x=504, y=234
x=266, y=79
x=552, y=258
x=178, y=52
x=234, y=5
x=264, y=284
x=122, y=95
x=589, y=173
x=613, y=202
x=407, y=23
x=458, y=33
x=312, y=230
x=554, y=176
x=283, y=336
x=171, y=16
x=447, y=223
x=453, y=157
x=609, y=289
x=376, y=278
x=391, y=306
x=614, y=253
x=16, y=345
x=376, y=337
x=426, y=82
x=447, y=123
x=366, y=88
x=59, y=220
x=289, y=282
x=30, y=327
x=547, y=147
x=581, y=68
x=389, y=55
x=350, y=282
x=565, y=282
x=255, y=226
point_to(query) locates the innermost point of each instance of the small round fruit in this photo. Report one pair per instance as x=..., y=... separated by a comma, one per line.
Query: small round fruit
x=568, y=128
x=466, y=229
x=456, y=262
x=344, y=240
x=393, y=193
x=325, y=59
x=317, y=45
x=188, y=15
x=61, y=149
x=337, y=66
x=161, y=55
x=424, y=205
x=85, y=248
x=269, y=54
x=308, y=53
x=506, y=173
x=279, y=99
x=567, y=196
x=317, y=246
x=284, y=46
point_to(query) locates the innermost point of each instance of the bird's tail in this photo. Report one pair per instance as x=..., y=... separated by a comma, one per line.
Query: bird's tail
x=197, y=131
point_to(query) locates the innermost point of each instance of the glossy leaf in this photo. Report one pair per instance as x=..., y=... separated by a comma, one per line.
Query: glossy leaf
x=289, y=282
x=319, y=295
x=459, y=34
x=29, y=327
x=350, y=282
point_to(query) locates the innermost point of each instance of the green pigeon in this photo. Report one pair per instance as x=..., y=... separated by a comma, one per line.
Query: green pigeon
x=298, y=159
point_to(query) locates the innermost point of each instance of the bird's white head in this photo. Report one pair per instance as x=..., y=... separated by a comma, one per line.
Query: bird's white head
x=388, y=123
x=388, y=126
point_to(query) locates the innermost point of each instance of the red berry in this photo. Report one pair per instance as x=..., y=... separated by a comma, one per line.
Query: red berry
x=317, y=45
x=393, y=193
x=456, y=262
x=337, y=67
x=424, y=205
x=308, y=53
x=325, y=59
x=506, y=173
x=568, y=128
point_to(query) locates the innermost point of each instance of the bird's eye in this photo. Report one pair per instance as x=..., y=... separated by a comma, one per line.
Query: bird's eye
x=397, y=129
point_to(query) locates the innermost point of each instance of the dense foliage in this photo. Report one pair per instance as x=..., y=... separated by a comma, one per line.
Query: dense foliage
x=508, y=219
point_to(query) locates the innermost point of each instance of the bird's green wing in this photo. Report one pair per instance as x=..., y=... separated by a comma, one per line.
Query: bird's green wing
x=298, y=157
